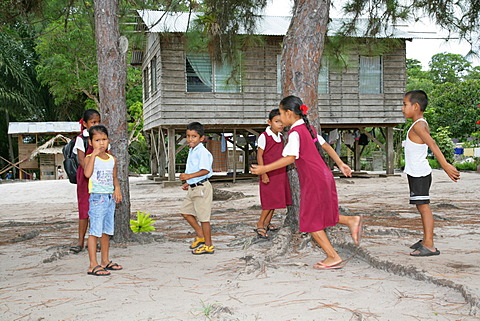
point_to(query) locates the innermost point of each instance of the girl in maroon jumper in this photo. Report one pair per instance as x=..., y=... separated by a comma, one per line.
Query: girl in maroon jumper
x=318, y=198
x=91, y=117
x=274, y=186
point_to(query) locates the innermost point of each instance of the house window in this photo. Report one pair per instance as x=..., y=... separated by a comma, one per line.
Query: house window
x=203, y=76
x=146, y=84
x=370, y=75
x=153, y=68
x=322, y=76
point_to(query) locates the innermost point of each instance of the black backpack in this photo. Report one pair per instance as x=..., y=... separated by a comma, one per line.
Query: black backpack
x=70, y=162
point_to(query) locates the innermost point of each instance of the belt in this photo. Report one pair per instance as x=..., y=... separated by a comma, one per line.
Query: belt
x=199, y=183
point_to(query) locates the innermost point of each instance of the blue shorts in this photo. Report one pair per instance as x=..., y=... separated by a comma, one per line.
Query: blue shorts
x=101, y=213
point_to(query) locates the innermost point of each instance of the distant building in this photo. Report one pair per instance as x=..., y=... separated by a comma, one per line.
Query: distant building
x=31, y=135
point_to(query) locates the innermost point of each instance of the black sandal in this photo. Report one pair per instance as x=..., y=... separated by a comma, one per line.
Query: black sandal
x=259, y=232
x=272, y=227
x=97, y=269
x=76, y=249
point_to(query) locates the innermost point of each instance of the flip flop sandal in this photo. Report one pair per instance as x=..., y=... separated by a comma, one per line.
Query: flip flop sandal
x=321, y=266
x=416, y=245
x=97, y=269
x=113, y=266
x=259, y=232
x=76, y=249
x=423, y=251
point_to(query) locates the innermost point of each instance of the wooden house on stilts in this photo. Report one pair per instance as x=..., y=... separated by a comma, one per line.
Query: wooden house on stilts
x=182, y=85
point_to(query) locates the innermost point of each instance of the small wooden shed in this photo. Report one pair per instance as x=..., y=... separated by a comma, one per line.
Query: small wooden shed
x=30, y=136
x=181, y=86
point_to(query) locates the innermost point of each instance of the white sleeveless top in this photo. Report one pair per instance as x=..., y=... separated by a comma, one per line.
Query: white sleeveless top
x=101, y=180
x=416, y=163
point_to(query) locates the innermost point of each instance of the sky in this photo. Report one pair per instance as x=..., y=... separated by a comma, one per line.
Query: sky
x=420, y=49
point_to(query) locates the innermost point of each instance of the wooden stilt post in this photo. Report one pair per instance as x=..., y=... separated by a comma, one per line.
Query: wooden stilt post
x=171, y=154
x=234, y=155
x=247, y=154
x=356, y=156
x=390, y=152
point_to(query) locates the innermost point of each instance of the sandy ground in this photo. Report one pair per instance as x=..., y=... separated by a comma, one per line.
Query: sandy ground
x=41, y=280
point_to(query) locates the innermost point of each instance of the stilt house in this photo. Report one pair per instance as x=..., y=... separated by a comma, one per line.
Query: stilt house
x=181, y=86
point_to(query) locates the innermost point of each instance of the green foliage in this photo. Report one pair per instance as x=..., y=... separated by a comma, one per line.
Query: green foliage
x=139, y=156
x=448, y=67
x=455, y=106
x=17, y=83
x=444, y=142
x=68, y=59
x=221, y=23
x=466, y=166
x=143, y=223
x=434, y=163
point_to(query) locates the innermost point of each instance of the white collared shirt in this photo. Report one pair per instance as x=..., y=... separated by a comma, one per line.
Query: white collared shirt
x=293, y=146
x=262, y=141
x=79, y=144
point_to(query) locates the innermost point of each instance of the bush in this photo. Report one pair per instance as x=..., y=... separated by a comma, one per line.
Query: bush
x=434, y=163
x=444, y=142
x=466, y=166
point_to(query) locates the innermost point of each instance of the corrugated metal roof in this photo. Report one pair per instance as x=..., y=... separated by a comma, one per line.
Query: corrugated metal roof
x=43, y=127
x=161, y=21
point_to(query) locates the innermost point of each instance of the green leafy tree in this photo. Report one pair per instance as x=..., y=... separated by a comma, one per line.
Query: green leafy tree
x=455, y=106
x=448, y=67
x=68, y=64
x=414, y=70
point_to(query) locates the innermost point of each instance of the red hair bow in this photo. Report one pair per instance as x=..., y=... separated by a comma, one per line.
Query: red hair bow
x=304, y=109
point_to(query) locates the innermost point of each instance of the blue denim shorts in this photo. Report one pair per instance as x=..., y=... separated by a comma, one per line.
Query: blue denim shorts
x=101, y=213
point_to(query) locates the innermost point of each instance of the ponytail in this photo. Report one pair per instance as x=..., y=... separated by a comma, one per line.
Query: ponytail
x=296, y=105
x=314, y=137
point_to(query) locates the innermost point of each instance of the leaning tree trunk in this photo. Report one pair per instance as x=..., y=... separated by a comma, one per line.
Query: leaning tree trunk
x=112, y=72
x=301, y=55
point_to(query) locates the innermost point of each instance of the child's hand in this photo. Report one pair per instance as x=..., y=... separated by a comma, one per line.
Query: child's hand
x=95, y=152
x=117, y=196
x=184, y=177
x=265, y=179
x=452, y=172
x=346, y=170
x=185, y=186
x=257, y=169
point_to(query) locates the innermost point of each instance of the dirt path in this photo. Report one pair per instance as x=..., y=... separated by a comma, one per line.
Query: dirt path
x=39, y=279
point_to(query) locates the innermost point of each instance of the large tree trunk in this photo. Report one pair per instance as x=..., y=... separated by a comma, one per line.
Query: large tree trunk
x=301, y=55
x=112, y=72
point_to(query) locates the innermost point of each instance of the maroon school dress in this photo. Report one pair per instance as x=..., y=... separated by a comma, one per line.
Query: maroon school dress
x=82, y=190
x=318, y=193
x=275, y=194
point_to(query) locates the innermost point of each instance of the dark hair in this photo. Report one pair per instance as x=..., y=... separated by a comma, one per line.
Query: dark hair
x=293, y=103
x=273, y=113
x=97, y=129
x=418, y=96
x=196, y=126
x=87, y=115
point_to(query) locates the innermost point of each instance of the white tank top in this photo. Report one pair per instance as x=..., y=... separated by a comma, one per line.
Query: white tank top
x=416, y=163
x=101, y=180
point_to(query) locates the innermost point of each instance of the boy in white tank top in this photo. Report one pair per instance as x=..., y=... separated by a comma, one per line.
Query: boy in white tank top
x=418, y=170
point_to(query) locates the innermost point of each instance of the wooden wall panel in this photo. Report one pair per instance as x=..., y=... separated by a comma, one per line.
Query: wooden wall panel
x=173, y=106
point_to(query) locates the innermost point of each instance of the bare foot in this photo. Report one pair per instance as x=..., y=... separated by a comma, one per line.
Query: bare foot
x=356, y=229
x=329, y=261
